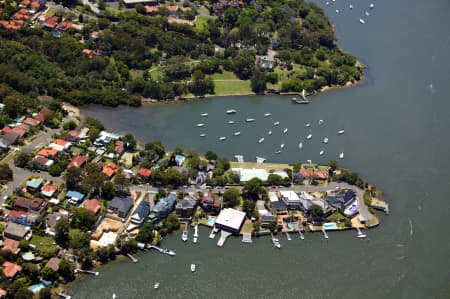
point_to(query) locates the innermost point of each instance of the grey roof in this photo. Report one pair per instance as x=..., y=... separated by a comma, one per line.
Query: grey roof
x=11, y=137
x=187, y=203
x=279, y=205
x=141, y=211
x=341, y=200
x=16, y=229
x=4, y=143
x=306, y=202
x=54, y=217
x=121, y=204
x=267, y=218
x=165, y=205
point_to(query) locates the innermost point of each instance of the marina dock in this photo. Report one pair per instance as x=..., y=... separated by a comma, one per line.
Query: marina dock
x=239, y=158
x=86, y=271
x=132, y=258
x=212, y=235
x=247, y=238
x=288, y=236
x=223, y=237
x=301, y=235
x=324, y=233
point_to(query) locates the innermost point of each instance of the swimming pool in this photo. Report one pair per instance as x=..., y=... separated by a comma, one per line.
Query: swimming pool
x=211, y=221
x=114, y=136
x=289, y=226
x=330, y=225
x=37, y=287
x=180, y=160
x=297, y=226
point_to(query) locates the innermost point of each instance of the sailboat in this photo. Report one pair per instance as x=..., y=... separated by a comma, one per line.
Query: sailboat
x=300, y=145
x=320, y=122
x=277, y=123
x=282, y=145
x=231, y=122
x=231, y=111
x=285, y=130
x=267, y=114
x=341, y=155
x=269, y=133
x=308, y=125
x=309, y=137
x=237, y=134
x=261, y=140
x=362, y=21
x=249, y=120
x=222, y=138
x=202, y=135
x=321, y=152
x=341, y=132
x=325, y=140
x=371, y=6
x=204, y=114
x=200, y=125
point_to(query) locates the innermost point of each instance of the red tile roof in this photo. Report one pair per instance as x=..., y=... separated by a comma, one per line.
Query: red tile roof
x=31, y=122
x=64, y=26
x=6, y=129
x=50, y=188
x=145, y=172
x=60, y=142
x=53, y=264
x=93, y=205
x=11, y=269
x=11, y=245
x=78, y=161
x=180, y=21
x=16, y=214
x=321, y=175
x=35, y=4
x=48, y=153
x=305, y=172
x=25, y=2
x=23, y=11
x=150, y=9
x=20, y=131
x=45, y=111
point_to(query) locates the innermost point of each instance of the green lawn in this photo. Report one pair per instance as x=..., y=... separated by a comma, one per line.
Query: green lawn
x=336, y=216
x=227, y=83
x=43, y=243
x=201, y=22
x=204, y=10
x=283, y=75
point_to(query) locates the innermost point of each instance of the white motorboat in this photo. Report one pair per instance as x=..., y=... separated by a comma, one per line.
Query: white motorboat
x=282, y=145
x=327, y=3
x=372, y=5
x=361, y=236
x=204, y=114
x=367, y=13
x=231, y=122
x=249, y=120
x=222, y=138
x=362, y=21
x=237, y=133
x=285, y=130
x=320, y=122
x=169, y=252
x=308, y=125
x=231, y=111
x=261, y=140
x=114, y=296
x=277, y=123
x=325, y=140
x=350, y=6
x=341, y=132
x=341, y=155
x=337, y=10
x=195, y=240
x=184, y=236
x=193, y=268
x=321, y=152
x=200, y=125
x=278, y=152
x=202, y=135
x=156, y=286
x=294, y=99
x=309, y=137
x=269, y=133
x=300, y=145
x=276, y=242
x=267, y=114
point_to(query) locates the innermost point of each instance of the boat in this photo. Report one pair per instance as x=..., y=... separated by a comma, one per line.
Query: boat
x=341, y=155
x=327, y=3
x=350, y=6
x=114, y=296
x=202, y=135
x=261, y=140
x=285, y=130
x=309, y=137
x=249, y=120
x=300, y=145
x=222, y=138
x=294, y=99
x=321, y=152
x=231, y=111
x=237, y=133
x=276, y=242
x=200, y=125
x=341, y=132
x=282, y=145
x=325, y=140
x=367, y=13
x=156, y=286
x=169, y=252
x=362, y=21
x=193, y=268
x=267, y=114
x=204, y=114
x=337, y=10
x=231, y=122
x=184, y=236
x=320, y=122
x=308, y=125
x=278, y=152
x=372, y=5
x=277, y=123
x=269, y=133
x=195, y=240
x=361, y=236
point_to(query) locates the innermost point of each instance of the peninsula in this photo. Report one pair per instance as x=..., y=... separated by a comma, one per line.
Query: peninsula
x=75, y=195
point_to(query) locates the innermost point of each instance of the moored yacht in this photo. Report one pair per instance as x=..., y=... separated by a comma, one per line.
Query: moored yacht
x=350, y=6
x=308, y=125
x=325, y=140
x=231, y=122
x=276, y=243
x=282, y=145
x=237, y=134
x=156, y=286
x=285, y=130
x=261, y=140
x=341, y=155
x=309, y=137
x=278, y=152
x=222, y=138
x=193, y=268
x=321, y=152
x=184, y=236
x=362, y=21
x=249, y=120
x=269, y=133
x=372, y=5
x=200, y=125
x=202, y=135
x=320, y=122
x=204, y=114
x=277, y=123
x=341, y=132
x=169, y=252
x=300, y=145
x=267, y=114
x=231, y=111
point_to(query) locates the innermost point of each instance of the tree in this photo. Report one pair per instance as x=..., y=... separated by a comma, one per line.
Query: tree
x=129, y=247
x=21, y=159
x=253, y=187
x=94, y=177
x=316, y=211
x=66, y=270
x=210, y=156
x=31, y=270
x=129, y=138
x=108, y=191
x=174, y=177
x=6, y=173
x=45, y=293
x=78, y=239
x=274, y=179
x=55, y=170
x=62, y=232
x=24, y=293
x=48, y=274
x=82, y=219
x=201, y=85
x=155, y=146
x=140, y=9
x=231, y=197
x=333, y=164
x=72, y=177
x=70, y=125
x=121, y=181
x=258, y=81
x=145, y=234
x=172, y=222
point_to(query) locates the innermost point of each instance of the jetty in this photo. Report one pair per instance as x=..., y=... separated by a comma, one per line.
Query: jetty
x=324, y=233
x=247, y=238
x=212, y=235
x=301, y=235
x=223, y=237
x=132, y=258
x=239, y=158
x=260, y=160
x=288, y=236
x=86, y=271
x=64, y=295
x=303, y=100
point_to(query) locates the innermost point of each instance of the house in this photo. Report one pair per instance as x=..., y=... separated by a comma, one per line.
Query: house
x=31, y=122
x=63, y=26
x=65, y=144
x=172, y=9
x=185, y=207
x=24, y=218
x=11, y=137
x=48, y=24
x=34, y=185
x=11, y=245
x=290, y=198
x=46, y=111
x=52, y=219
x=4, y=145
x=140, y=214
x=165, y=205
x=72, y=136
x=305, y=200
x=3, y=294
x=305, y=172
x=48, y=153
x=16, y=231
x=34, y=7
x=266, y=216
x=6, y=129
x=49, y=190
x=110, y=170
x=320, y=175
x=36, y=205
x=201, y=178
x=266, y=63
x=145, y=173
x=121, y=206
x=89, y=53
x=210, y=203
x=10, y=269
x=132, y=3
x=93, y=205
x=280, y=207
x=53, y=264
x=77, y=162
x=341, y=200
x=59, y=148
x=151, y=9
x=297, y=178
x=230, y=220
x=25, y=3
x=75, y=197
x=43, y=162
x=119, y=148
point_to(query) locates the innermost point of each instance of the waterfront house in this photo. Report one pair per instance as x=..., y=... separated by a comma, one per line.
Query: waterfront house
x=36, y=205
x=11, y=137
x=52, y=219
x=78, y=162
x=230, y=220
x=266, y=216
x=305, y=200
x=11, y=245
x=16, y=231
x=10, y=269
x=297, y=178
x=119, y=148
x=53, y=264
x=121, y=206
x=74, y=197
x=280, y=207
x=4, y=145
x=201, y=178
x=165, y=205
x=34, y=185
x=209, y=203
x=93, y=205
x=185, y=207
x=141, y=213
x=290, y=198
x=341, y=200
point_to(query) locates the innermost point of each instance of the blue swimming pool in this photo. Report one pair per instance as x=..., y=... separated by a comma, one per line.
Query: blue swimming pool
x=180, y=159
x=115, y=136
x=297, y=226
x=289, y=226
x=330, y=225
x=211, y=221
x=36, y=288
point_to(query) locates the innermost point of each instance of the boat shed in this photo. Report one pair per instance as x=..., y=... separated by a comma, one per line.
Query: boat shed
x=230, y=220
